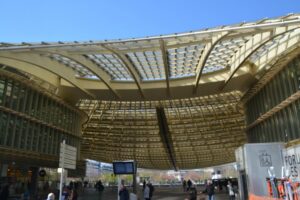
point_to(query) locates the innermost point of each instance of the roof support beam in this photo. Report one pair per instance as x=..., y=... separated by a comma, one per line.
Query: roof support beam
x=27, y=60
x=204, y=56
x=34, y=70
x=128, y=64
x=164, y=53
x=250, y=47
x=165, y=135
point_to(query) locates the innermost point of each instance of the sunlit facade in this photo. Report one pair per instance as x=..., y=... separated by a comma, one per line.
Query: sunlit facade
x=277, y=118
x=33, y=121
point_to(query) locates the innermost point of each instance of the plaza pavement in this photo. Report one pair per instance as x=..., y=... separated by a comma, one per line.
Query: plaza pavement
x=160, y=193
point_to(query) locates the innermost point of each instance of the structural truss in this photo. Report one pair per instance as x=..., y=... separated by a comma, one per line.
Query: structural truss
x=201, y=131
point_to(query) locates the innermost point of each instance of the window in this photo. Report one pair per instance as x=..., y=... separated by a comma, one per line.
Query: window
x=2, y=91
x=7, y=95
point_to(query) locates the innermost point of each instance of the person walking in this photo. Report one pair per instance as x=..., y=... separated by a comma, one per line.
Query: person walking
x=230, y=191
x=184, y=185
x=144, y=184
x=123, y=193
x=74, y=195
x=193, y=193
x=99, y=186
x=51, y=196
x=147, y=192
x=210, y=190
x=65, y=193
x=151, y=188
x=189, y=183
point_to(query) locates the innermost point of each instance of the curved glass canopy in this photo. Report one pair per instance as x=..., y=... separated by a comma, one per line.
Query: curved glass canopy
x=168, y=101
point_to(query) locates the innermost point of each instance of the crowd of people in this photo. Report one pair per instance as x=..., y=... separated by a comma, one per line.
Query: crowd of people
x=20, y=188
x=69, y=192
x=190, y=188
x=210, y=188
x=148, y=190
x=44, y=191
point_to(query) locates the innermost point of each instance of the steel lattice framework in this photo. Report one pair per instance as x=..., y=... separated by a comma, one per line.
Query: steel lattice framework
x=204, y=131
x=197, y=78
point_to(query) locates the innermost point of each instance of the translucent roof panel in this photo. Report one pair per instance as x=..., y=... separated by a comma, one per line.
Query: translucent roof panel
x=273, y=44
x=149, y=64
x=222, y=53
x=208, y=69
x=80, y=70
x=112, y=65
x=183, y=60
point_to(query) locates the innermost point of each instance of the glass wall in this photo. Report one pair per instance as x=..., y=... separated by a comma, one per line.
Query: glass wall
x=33, y=121
x=284, y=125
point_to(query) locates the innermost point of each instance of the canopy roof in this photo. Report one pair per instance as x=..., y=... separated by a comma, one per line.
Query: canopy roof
x=167, y=101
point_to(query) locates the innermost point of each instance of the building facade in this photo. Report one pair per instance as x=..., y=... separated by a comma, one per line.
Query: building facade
x=33, y=123
x=273, y=113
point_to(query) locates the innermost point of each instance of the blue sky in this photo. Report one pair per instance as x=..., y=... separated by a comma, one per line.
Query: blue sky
x=70, y=20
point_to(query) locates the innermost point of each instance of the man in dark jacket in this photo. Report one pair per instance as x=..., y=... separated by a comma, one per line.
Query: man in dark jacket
x=193, y=193
x=151, y=190
x=123, y=193
x=189, y=184
x=210, y=190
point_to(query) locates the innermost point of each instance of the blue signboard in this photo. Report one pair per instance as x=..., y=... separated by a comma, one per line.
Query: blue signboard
x=126, y=167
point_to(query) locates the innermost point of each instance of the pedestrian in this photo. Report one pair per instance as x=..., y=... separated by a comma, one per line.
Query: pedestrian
x=85, y=184
x=65, y=193
x=189, y=183
x=123, y=193
x=193, y=193
x=231, y=191
x=151, y=188
x=147, y=192
x=210, y=190
x=184, y=185
x=51, y=196
x=74, y=195
x=99, y=186
x=144, y=184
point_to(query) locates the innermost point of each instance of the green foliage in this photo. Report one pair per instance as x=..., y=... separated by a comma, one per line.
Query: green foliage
x=113, y=180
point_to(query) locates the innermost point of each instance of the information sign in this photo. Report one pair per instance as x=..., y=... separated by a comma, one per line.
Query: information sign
x=67, y=157
x=291, y=159
x=124, y=167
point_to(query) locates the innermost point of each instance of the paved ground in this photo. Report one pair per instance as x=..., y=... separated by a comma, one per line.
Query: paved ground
x=165, y=193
